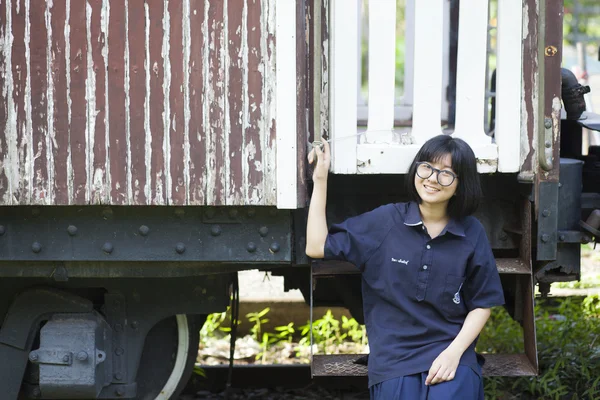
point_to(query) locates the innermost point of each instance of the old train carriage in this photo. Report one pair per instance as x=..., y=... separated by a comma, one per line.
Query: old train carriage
x=150, y=149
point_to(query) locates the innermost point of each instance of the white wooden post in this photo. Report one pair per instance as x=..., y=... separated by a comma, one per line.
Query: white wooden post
x=508, y=85
x=470, y=77
x=382, y=66
x=427, y=98
x=285, y=57
x=343, y=96
x=361, y=100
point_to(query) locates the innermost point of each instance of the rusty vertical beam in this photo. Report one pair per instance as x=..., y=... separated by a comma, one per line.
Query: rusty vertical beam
x=98, y=113
x=61, y=106
x=117, y=125
x=216, y=140
x=198, y=127
x=156, y=102
x=76, y=87
x=18, y=132
x=234, y=100
x=177, y=126
x=137, y=94
x=39, y=105
x=529, y=90
x=5, y=193
x=253, y=145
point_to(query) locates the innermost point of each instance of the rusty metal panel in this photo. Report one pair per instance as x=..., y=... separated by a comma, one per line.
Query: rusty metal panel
x=138, y=102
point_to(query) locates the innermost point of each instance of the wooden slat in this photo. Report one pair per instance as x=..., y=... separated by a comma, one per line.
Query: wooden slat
x=269, y=114
x=198, y=125
x=5, y=161
x=138, y=108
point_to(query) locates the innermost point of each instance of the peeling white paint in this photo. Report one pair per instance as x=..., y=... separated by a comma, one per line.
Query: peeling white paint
x=104, y=27
x=245, y=100
x=127, y=86
x=229, y=183
x=67, y=34
x=206, y=100
x=10, y=131
x=186, y=44
x=51, y=134
x=148, y=142
x=270, y=110
x=166, y=46
x=28, y=165
x=90, y=97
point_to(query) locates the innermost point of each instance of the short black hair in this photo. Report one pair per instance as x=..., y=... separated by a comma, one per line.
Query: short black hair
x=468, y=193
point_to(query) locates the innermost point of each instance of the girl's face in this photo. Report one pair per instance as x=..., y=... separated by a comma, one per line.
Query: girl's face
x=429, y=189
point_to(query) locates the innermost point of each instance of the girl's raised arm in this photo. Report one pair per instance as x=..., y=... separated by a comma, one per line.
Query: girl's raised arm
x=316, y=227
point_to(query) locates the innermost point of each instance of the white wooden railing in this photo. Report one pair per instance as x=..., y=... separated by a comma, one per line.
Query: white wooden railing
x=384, y=148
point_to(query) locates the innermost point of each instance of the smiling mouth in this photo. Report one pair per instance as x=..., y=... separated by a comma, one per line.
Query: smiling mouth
x=431, y=189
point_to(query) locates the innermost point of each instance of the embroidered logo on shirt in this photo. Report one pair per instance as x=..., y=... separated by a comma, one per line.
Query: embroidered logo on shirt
x=400, y=261
x=456, y=298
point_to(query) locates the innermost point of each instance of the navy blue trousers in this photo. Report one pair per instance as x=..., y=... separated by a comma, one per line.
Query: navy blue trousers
x=466, y=385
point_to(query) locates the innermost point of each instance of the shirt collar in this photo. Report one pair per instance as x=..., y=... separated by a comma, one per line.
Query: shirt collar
x=413, y=218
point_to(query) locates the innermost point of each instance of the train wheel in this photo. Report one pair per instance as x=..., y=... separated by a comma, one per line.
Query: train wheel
x=168, y=358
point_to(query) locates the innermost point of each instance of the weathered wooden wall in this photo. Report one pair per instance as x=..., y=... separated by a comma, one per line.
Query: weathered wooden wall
x=137, y=102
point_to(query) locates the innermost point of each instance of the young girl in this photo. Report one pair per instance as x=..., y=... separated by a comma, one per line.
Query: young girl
x=429, y=276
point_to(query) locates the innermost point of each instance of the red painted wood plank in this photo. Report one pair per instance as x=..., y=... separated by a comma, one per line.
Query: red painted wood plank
x=197, y=127
x=235, y=102
x=176, y=110
x=5, y=195
x=77, y=165
x=137, y=105
x=253, y=145
x=19, y=132
x=97, y=131
x=116, y=100
x=39, y=107
x=158, y=177
x=215, y=189
x=61, y=106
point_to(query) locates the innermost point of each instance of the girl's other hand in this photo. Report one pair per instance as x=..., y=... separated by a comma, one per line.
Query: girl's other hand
x=443, y=368
x=323, y=159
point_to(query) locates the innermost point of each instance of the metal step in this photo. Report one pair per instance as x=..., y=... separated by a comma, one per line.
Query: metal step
x=342, y=365
x=330, y=268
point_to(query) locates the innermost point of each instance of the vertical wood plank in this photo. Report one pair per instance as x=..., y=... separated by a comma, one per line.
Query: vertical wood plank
x=302, y=98
x=5, y=164
x=215, y=188
x=39, y=106
x=253, y=145
x=117, y=125
x=427, y=96
x=529, y=90
x=78, y=101
x=156, y=9
x=508, y=85
x=197, y=124
x=137, y=107
x=98, y=113
x=343, y=96
x=176, y=125
x=18, y=132
x=61, y=108
x=382, y=66
x=234, y=100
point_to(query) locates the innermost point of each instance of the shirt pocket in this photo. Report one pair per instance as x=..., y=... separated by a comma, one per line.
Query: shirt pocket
x=451, y=297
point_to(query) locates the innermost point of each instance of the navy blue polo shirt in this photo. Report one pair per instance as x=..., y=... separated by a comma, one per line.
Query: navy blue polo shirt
x=417, y=291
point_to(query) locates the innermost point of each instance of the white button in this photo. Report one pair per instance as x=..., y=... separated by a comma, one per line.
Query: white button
x=428, y=247
x=424, y=266
x=423, y=227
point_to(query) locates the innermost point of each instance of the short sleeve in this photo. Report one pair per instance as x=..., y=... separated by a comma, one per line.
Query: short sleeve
x=482, y=288
x=357, y=238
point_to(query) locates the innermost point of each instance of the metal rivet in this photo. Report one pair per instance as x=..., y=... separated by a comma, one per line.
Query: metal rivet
x=72, y=230
x=548, y=123
x=36, y=392
x=144, y=230
x=180, y=212
x=548, y=144
x=118, y=376
x=119, y=351
x=107, y=248
x=33, y=356
x=263, y=231
x=66, y=359
x=180, y=248
x=562, y=238
x=274, y=247
x=251, y=213
x=233, y=214
x=545, y=237
x=82, y=356
x=215, y=230
x=209, y=213
x=2, y=230
x=559, y=185
x=36, y=247
x=107, y=213
x=251, y=247
x=134, y=325
x=546, y=213
x=120, y=392
x=118, y=328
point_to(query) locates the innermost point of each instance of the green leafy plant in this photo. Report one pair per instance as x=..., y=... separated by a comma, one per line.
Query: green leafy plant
x=258, y=319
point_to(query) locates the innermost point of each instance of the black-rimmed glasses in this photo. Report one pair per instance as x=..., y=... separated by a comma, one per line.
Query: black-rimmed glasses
x=444, y=177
